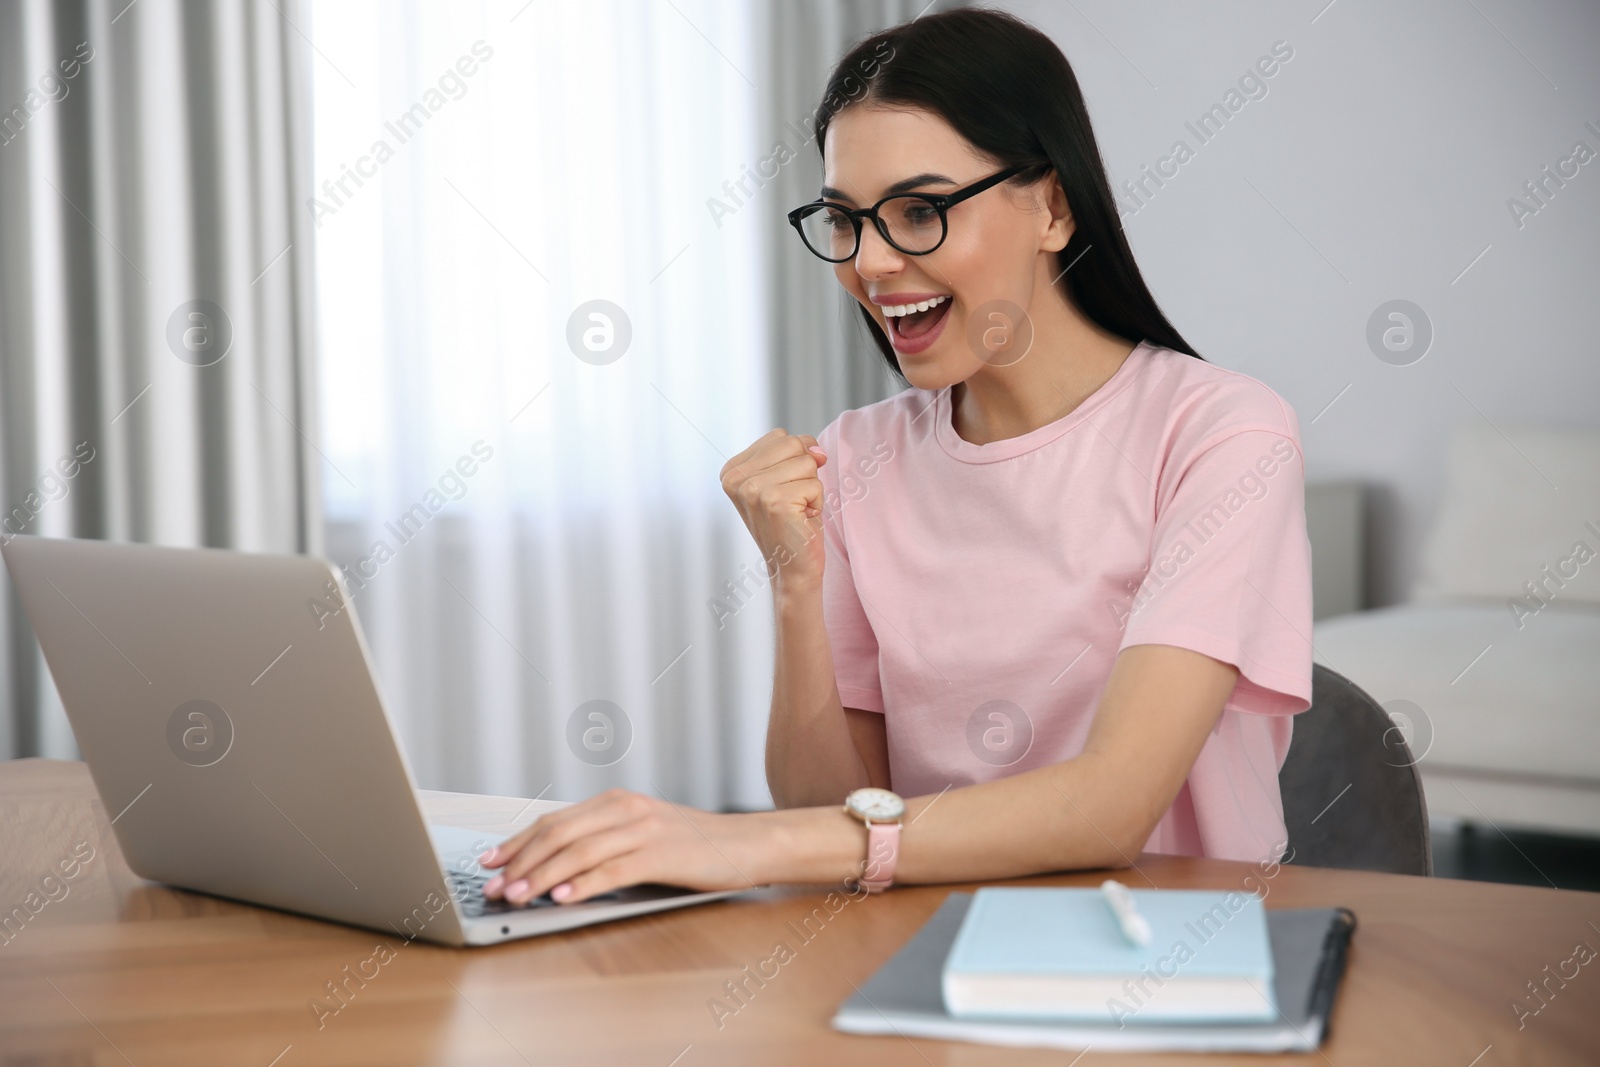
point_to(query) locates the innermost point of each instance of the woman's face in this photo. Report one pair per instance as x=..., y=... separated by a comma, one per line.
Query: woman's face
x=995, y=260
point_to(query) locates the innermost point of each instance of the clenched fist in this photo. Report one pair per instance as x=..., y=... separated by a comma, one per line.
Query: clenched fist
x=774, y=485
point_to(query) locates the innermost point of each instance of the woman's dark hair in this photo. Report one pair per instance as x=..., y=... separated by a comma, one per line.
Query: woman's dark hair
x=1009, y=91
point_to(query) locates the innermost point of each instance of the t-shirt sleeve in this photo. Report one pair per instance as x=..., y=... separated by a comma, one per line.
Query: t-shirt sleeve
x=850, y=637
x=1230, y=569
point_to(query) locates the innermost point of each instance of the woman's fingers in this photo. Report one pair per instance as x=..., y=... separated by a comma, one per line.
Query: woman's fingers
x=744, y=464
x=787, y=475
x=581, y=855
x=768, y=451
x=612, y=874
x=498, y=855
x=507, y=850
x=554, y=832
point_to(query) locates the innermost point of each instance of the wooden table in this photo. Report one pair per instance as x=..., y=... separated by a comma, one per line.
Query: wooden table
x=119, y=970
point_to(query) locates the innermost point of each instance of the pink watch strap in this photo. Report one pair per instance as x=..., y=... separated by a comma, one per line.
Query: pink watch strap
x=883, y=850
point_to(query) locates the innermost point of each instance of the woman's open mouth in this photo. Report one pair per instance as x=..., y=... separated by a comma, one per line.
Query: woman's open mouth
x=913, y=327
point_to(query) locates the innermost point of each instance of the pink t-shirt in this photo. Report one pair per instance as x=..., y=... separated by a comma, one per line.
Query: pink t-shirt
x=977, y=595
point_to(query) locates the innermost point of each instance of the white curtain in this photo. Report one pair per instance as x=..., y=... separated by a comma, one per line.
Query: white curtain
x=558, y=595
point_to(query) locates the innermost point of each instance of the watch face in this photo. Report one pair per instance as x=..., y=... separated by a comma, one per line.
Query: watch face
x=879, y=805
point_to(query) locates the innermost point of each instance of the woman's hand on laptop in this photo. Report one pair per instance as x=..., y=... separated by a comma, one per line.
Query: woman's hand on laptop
x=621, y=838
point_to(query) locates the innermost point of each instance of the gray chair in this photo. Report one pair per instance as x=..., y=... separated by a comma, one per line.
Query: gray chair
x=1352, y=796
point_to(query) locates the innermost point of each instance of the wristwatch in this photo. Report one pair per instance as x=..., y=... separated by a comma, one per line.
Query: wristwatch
x=881, y=811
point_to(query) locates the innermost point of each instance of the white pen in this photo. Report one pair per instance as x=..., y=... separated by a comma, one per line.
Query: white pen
x=1135, y=927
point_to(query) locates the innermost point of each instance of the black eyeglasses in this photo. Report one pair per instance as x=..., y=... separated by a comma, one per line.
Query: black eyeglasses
x=914, y=223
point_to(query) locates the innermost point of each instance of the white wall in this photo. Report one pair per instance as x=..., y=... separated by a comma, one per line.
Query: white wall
x=1378, y=166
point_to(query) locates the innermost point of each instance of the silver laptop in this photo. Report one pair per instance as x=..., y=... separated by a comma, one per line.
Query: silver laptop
x=226, y=706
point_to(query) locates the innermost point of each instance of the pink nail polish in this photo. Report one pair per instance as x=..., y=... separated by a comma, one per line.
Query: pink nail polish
x=815, y=451
x=488, y=857
x=517, y=890
x=562, y=891
x=493, y=885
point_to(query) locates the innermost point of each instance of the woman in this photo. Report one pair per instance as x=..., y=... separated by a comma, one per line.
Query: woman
x=1056, y=594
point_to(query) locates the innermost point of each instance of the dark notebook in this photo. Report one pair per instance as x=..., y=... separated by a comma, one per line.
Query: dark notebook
x=1308, y=952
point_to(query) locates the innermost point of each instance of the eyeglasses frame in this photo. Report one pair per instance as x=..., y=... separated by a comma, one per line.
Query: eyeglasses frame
x=942, y=203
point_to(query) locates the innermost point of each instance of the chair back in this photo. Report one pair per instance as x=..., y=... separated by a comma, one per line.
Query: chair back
x=1352, y=795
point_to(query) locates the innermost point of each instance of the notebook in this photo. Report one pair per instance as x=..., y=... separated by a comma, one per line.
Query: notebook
x=1059, y=953
x=1309, y=948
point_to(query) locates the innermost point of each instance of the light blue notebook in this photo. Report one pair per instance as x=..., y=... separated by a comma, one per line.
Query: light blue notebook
x=1046, y=953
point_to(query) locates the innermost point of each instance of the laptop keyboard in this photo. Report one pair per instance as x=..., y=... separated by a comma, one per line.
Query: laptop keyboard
x=467, y=889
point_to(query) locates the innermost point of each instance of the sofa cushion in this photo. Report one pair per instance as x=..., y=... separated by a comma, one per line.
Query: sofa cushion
x=1530, y=703
x=1520, y=517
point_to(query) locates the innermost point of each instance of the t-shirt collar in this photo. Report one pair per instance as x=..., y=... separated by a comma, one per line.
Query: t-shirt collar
x=959, y=448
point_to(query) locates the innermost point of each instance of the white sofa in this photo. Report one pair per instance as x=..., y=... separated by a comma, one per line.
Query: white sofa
x=1493, y=667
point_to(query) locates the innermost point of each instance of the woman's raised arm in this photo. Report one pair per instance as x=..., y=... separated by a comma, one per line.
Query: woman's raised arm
x=816, y=752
